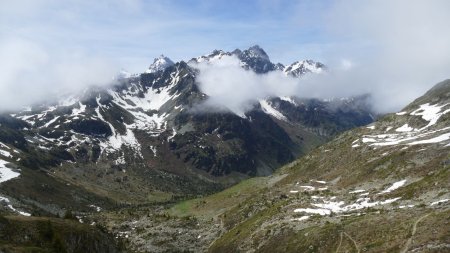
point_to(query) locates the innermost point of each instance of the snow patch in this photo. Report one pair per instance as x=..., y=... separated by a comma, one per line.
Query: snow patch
x=439, y=201
x=153, y=148
x=80, y=110
x=308, y=188
x=404, y=128
x=356, y=191
x=51, y=121
x=394, y=186
x=267, y=108
x=300, y=218
x=116, y=140
x=313, y=211
x=97, y=208
x=405, y=206
x=174, y=132
x=437, y=139
x=289, y=99
x=5, y=153
x=6, y=173
x=430, y=113
x=8, y=203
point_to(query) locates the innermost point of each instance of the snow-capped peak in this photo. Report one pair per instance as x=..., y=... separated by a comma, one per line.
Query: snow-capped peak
x=256, y=59
x=214, y=56
x=256, y=52
x=299, y=68
x=160, y=63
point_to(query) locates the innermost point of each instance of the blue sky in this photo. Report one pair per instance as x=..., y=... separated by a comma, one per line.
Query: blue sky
x=133, y=32
x=393, y=49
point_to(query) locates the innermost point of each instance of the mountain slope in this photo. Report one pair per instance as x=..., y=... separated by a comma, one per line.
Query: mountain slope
x=378, y=188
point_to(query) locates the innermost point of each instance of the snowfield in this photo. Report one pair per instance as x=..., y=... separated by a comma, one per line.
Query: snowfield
x=6, y=173
x=407, y=135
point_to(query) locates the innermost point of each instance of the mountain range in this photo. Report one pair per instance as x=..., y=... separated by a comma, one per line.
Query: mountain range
x=137, y=160
x=139, y=140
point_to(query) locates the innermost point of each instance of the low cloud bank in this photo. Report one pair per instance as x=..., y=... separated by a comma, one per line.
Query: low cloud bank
x=32, y=73
x=230, y=86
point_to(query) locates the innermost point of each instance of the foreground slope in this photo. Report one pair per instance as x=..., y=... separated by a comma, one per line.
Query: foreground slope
x=379, y=188
x=384, y=187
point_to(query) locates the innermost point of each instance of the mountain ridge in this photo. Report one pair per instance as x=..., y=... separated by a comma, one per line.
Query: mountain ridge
x=140, y=141
x=256, y=59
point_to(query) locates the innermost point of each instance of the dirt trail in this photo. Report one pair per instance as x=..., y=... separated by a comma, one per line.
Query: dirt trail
x=351, y=239
x=339, y=246
x=413, y=232
x=354, y=242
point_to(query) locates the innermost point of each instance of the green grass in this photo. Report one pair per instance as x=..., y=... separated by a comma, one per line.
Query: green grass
x=228, y=241
x=213, y=205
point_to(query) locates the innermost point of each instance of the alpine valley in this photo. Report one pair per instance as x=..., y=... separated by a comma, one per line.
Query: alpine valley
x=136, y=167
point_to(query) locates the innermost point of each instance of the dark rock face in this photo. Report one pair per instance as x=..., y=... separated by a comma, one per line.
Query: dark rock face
x=223, y=143
x=91, y=127
x=256, y=59
x=327, y=117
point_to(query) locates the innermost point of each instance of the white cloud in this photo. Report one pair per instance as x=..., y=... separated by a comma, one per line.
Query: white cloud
x=346, y=64
x=32, y=73
x=229, y=85
x=394, y=50
x=401, y=47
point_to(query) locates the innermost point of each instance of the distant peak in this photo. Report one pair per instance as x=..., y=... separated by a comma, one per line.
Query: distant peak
x=213, y=56
x=300, y=68
x=255, y=47
x=217, y=51
x=160, y=63
x=256, y=52
x=162, y=57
